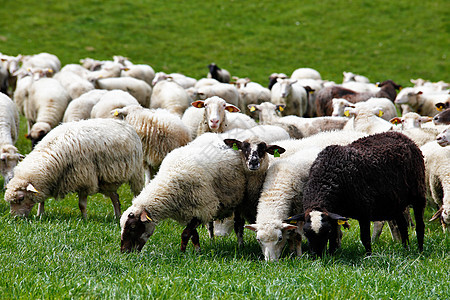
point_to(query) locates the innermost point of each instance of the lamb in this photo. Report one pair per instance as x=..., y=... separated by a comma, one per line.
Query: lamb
x=386, y=105
x=86, y=157
x=219, y=74
x=139, y=89
x=159, y=130
x=45, y=107
x=74, y=84
x=196, y=184
x=9, y=130
x=293, y=96
x=283, y=190
x=80, y=108
x=366, y=120
x=170, y=95
x=111, y=100
x=420, y=101
x=437, y=158
x=372, y=179
x=226, y=91
x=183, y=80
x=324, y=97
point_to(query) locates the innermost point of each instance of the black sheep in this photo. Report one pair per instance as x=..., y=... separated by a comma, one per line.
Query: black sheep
x=219, y=74
x=372, y=179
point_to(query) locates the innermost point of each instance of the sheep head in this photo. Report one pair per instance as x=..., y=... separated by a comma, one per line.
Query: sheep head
x=137, y=227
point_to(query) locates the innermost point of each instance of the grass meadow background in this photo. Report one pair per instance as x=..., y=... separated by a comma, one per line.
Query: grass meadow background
x=61, y=256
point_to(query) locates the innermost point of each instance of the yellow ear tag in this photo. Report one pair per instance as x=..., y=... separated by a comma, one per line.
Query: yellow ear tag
x=347, y=113
x=439, y=108
x=276, y=153
x=340, y=222
x=280, y=108
x=252, y=108
x=380, y=113
x=235, y=147
x=148, y=218
x=116, y=113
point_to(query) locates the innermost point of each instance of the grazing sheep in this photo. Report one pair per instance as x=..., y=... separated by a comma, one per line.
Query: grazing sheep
x=326, y=95
x=139, y=89
x=170, y=95
x=437, y=162
x=112, y=100
x=45, y=107
x=226, y=91
x=291, y=94
x=197, y=183
x=422, y=102
x=306, y=73
x=9, y=130
x=386, y=105
x=183, y=80
x=219, y=74
x=86, y=157
x=160, y=132
x=283, y=190
x=372, y=179
x=80, y=108
x=74, y=84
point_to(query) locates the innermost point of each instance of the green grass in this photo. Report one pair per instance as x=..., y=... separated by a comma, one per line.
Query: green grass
x=62, y=256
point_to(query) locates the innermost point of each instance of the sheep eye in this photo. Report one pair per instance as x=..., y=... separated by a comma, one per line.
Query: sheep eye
x=280, y=238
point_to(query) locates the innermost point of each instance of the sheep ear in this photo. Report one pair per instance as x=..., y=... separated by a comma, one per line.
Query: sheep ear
x=289, y=227
x=337, y=217
x=232, y=108
x=295, y=219
x=440, y=106
x=145, y=217
x=251, y=227
x=275, y=150
x=198, y=103
x=234, y=144
x=425, y=119
x=252, y=107
x=395, y=120
x=31, y=188
x=280, y=107
x=437, y=214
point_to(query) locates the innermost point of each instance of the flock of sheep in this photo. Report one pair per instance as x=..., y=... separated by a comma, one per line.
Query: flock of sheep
x=295, y=159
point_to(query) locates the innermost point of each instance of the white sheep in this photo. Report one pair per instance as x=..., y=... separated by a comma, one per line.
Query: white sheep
x=306, y=73
x=283, y=189
x=273, y=78
x=287, y=92
x=111, y=100
x=250, y=93
x=42, y=61
x=139, y=89
x=108, y=69
x=170, y=95
x=366, y=120
x=45, y=107
x=87, y=157
x=226, y=91
x=77, y=69
x=80, y=108
x=386, y=105
x=160, y=132
x=421, y=101
x=197, y=183
x=352, y=77
x=74, y=84
x=181, y=79
x=9, y=131
x=437, y=162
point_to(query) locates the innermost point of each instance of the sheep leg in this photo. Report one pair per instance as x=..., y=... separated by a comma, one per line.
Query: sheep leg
x=211, y=230
x=420, y=225
x=116, y=204
x=295, y=243
x=41, y=209
x=364, y=231
x=82, y=204
x=190, y=232
x=377, y=230
x=335, y=239
x=403, y=228
x=395, y=232
x=239, y=223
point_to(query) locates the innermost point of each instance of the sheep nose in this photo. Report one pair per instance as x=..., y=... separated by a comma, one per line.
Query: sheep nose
x=214, y=121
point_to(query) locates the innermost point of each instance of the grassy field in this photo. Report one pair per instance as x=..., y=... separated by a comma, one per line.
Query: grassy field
x=62, y=256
